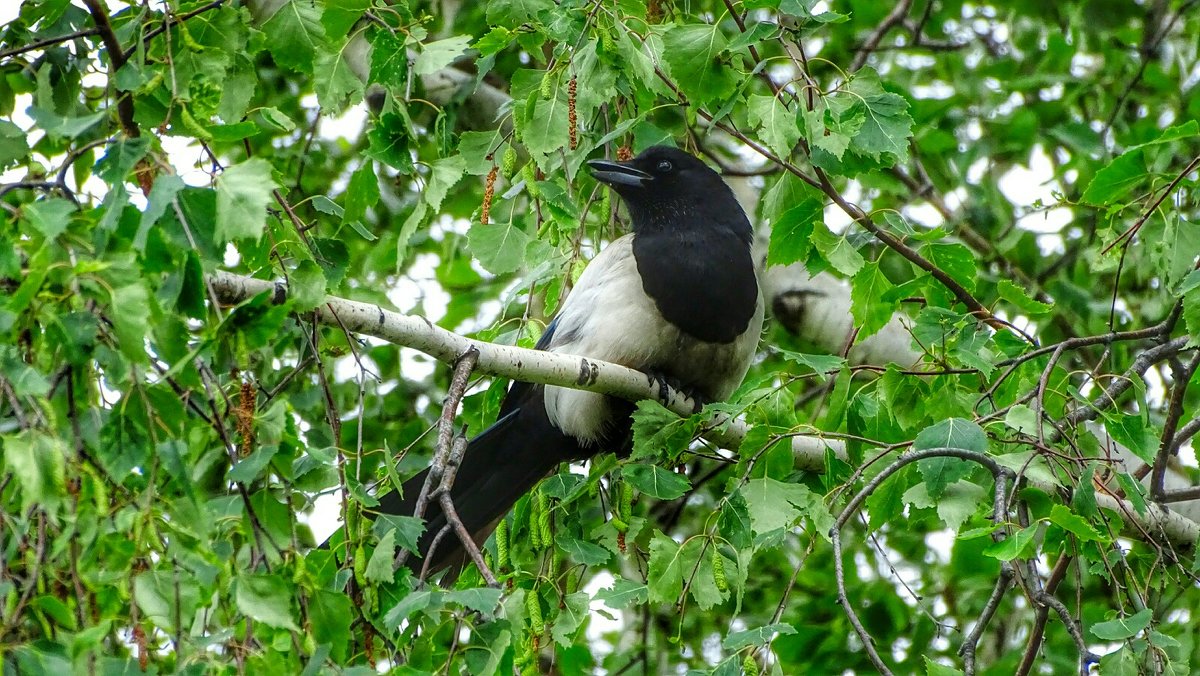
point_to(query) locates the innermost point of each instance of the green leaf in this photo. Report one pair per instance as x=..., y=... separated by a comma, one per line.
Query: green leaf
x=334, y=78
x=14, y=144
x=791, y=233
x=573, y=611
x=940, y=472
x=774, y=504
x=381, y=567
x=1116, y=180
x=500, y=247
x=758, y=636
x=1014, y=546
x=361, y=193
x=494, y=41
x=562, y=486
x=131, y=320
x=443, y=175
x=937, y=669
x=38, y=463
x=294, y=33
x=407, y=529
x=734, y=522
x=952, y=433
x=243, y=193
x=1022, y=419
x=389, y=59
x=390, y=140
x=50, y=216
x=819, y=363
x=580, y=551
x=330, y=614
x=306, y=286
x=775, y=123
x=957, y=502
x=656, y=482
x=249, y=468
x=24, y=380
x=480, y=599
x=515, y=12
x=162, y=197
x=1061, y=516
x=1123, y=627
x=435, y=56
x=887, y=502
x=1020, y=299
x=545, y=130
x=954, y=259
x=267, y=599
x=623, y=593
x=886, y=125
x=341, y=15
x=693, y=52
x=1130, y=431
x=666, y=569
x=422, y=599
x=836, y=249
x=660, y=434
x=867, y=289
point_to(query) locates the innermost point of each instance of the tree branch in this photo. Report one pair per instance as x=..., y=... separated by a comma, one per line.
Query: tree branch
x=548, y=368
x=517, y=363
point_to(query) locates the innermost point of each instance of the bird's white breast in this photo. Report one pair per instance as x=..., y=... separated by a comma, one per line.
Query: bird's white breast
x=608, y=316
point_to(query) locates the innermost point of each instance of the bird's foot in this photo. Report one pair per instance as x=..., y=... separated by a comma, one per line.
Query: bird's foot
x=665, y=382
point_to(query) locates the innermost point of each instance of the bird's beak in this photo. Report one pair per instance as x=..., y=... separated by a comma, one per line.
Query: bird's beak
x=618, y=173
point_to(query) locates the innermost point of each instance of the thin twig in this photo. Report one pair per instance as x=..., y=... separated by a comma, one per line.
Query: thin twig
x=1183, y=377
x=447, y=505
x=893, y=19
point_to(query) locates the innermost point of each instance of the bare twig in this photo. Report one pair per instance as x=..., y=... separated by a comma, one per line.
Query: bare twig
x=1170, y=190
x=1119, y=385
x=447, y=505
x=445, y=441
x=1038, y=632
x=1183, y=377
x=893, y=19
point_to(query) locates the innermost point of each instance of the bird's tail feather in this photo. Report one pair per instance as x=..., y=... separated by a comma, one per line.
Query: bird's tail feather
x=499, y=466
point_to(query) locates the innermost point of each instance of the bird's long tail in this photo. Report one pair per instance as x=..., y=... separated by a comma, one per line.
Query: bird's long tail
x=500, y=465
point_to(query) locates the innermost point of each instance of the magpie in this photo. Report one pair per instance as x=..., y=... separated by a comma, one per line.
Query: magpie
x=677, y=298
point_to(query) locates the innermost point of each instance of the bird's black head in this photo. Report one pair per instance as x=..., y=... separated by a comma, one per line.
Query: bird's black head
x=668, y=189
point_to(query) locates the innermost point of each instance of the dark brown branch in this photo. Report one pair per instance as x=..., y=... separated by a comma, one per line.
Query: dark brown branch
x=48, y=42
x=116, y=58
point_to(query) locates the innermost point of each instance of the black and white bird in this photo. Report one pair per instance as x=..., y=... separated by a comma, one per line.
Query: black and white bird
x=677, y=298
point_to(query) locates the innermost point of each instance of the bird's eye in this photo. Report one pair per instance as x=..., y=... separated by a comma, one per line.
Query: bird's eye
x=665, y=165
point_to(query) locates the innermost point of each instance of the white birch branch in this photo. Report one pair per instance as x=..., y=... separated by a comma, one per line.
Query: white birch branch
x=517, y=363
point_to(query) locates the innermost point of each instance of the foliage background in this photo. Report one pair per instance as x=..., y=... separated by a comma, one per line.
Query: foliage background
x=994, y=174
